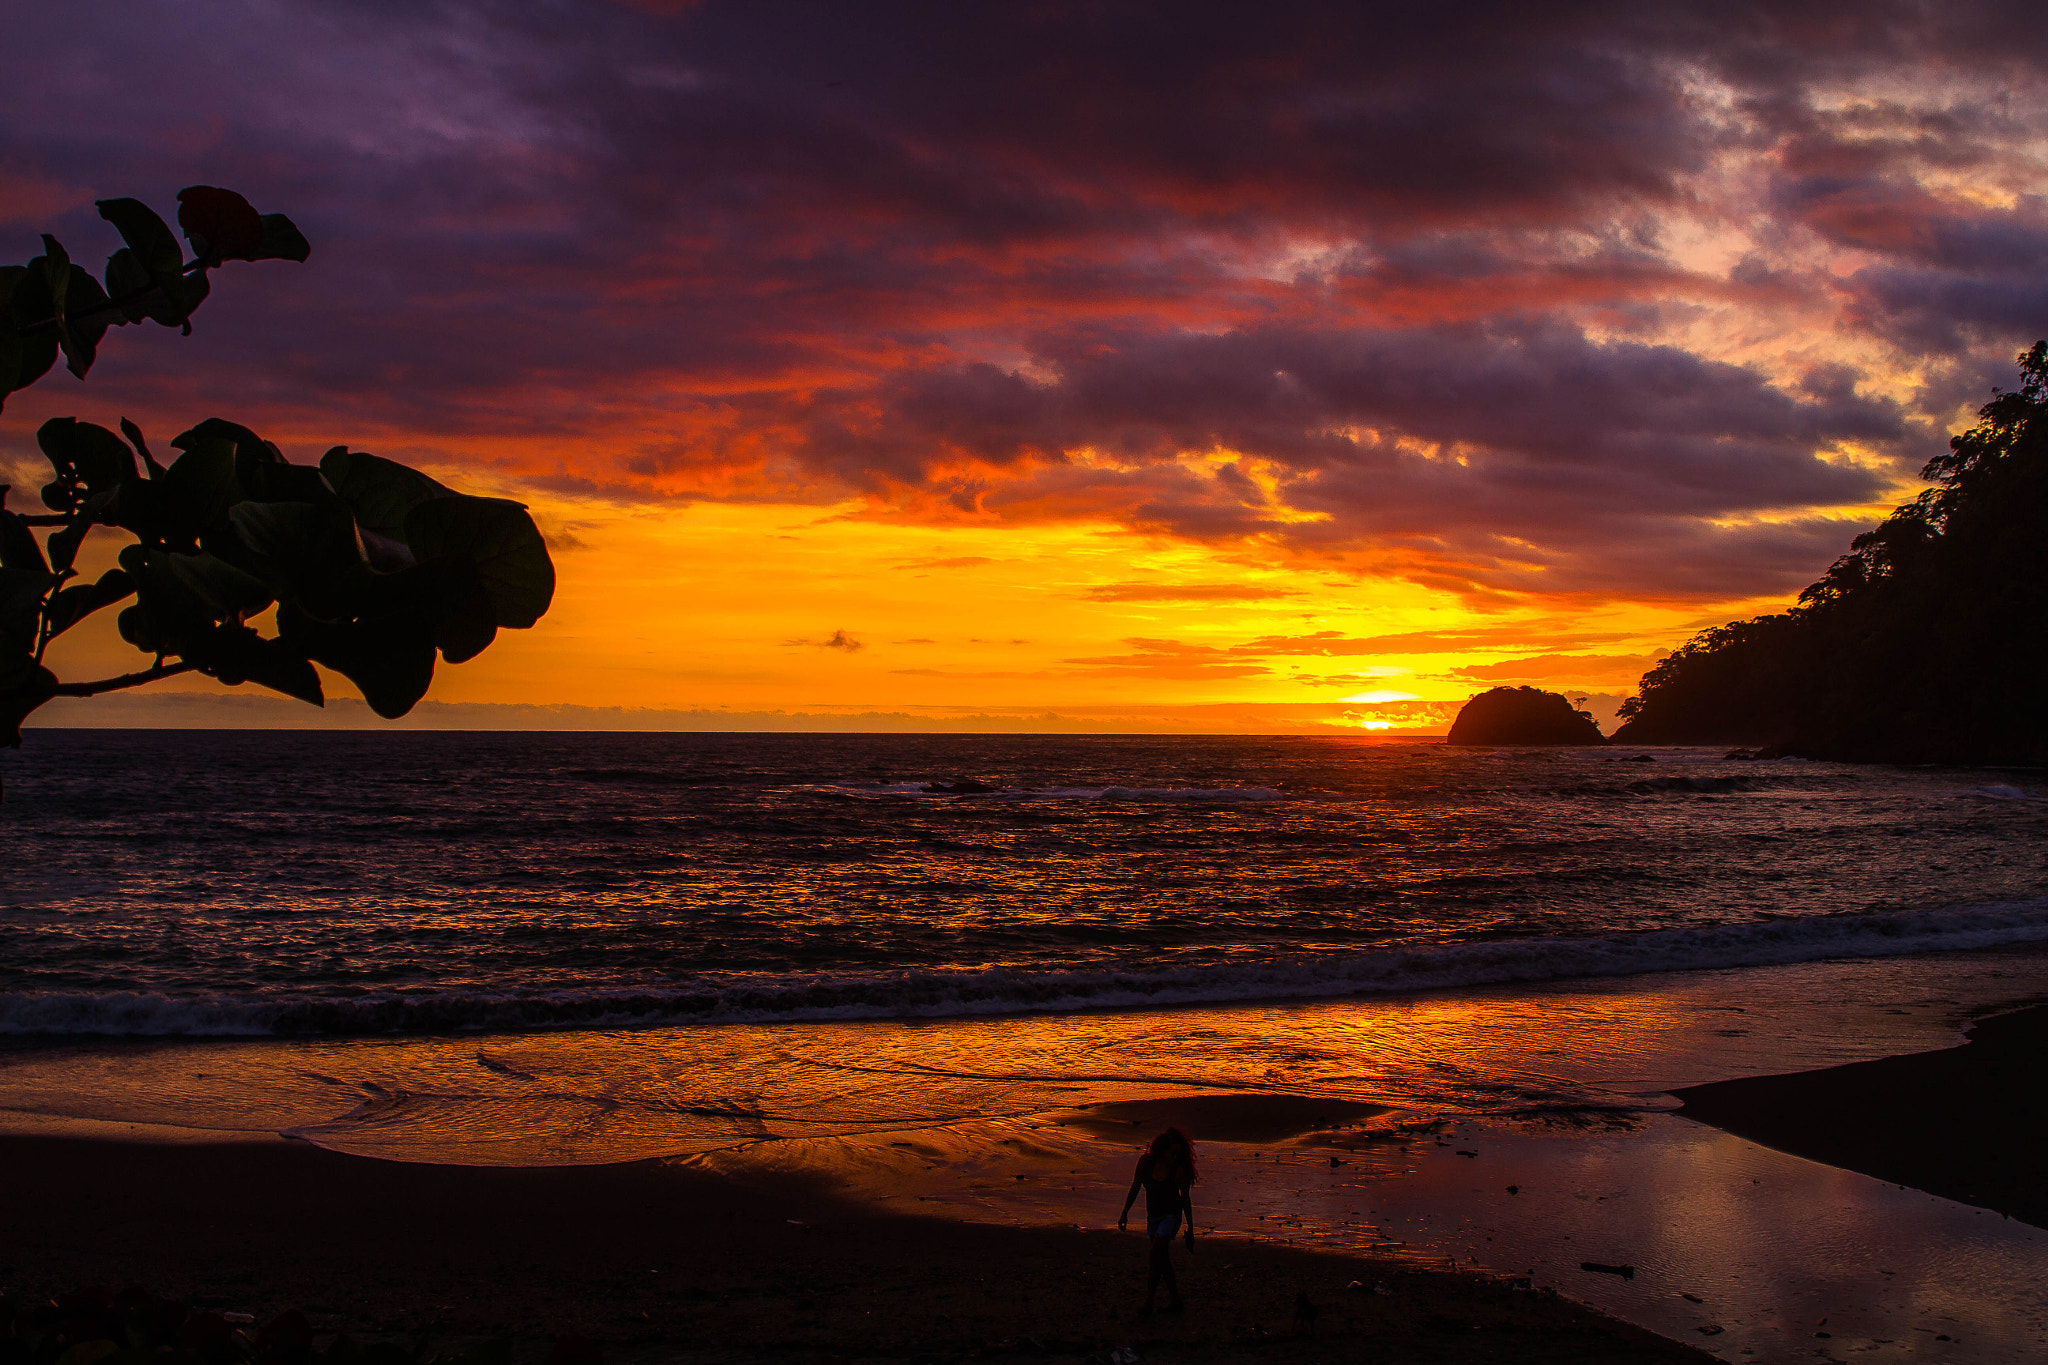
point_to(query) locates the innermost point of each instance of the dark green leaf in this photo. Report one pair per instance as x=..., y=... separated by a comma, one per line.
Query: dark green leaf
x=131, y=289
x=18, y=548
x=304, y=549
x=64, y=543
x=21, y=604
x=282, y=241
x=139, y=628
x=134, y=435
x=391, y=660
x=511, y=558
x=31, y=302
x=10, y=331
x=205, y=587
x=379, y=491
x=156, y=250
x=140, y=506
x=235, y=655
x=81, y=600
x=83, y=321
x=445, y=591
x=26, y=689
x=260, y=467
x=464, y=620
x=21, y=596
x=200, y=486
x=220, y=224
x=90, y=454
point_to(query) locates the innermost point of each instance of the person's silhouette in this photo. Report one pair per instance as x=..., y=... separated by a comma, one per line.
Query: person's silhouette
x=1164, y=1173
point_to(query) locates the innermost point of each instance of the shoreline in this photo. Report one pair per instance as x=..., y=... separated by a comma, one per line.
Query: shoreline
x=1967, y=1123
x=662, y=1261
x=958, y=1243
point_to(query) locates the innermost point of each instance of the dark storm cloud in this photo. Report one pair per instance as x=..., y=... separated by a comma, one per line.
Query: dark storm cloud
x=1402, y=279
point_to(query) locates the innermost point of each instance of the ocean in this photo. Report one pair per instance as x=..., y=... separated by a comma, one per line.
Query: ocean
x=913, y=963
x=196, y=884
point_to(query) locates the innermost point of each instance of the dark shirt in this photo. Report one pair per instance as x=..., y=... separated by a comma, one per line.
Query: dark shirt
x=1162, y=1191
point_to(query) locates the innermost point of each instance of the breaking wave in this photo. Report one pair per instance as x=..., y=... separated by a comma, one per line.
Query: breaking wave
x=936, y=993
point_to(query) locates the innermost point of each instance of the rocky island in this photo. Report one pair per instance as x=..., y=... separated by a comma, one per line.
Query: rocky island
x=1522, y=715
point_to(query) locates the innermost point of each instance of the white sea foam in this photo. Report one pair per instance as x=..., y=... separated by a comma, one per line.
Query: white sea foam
x=931, y=994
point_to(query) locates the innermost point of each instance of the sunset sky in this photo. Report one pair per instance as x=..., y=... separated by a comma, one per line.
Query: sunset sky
x=1278, y=367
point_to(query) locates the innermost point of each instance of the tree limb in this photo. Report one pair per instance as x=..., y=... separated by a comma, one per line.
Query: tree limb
x=148, y=675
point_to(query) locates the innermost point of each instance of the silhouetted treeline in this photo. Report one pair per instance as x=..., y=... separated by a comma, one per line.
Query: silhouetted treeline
x=1928, y=642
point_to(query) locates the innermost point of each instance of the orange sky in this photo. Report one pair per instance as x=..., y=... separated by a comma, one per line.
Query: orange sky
x=984, y=370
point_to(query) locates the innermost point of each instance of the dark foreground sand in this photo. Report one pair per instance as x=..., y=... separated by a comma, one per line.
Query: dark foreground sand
x=659, y=1262
x=1969, y=1123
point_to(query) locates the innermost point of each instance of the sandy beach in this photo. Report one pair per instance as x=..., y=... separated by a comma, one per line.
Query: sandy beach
x=1968, y=1123
x=660, y=1262
x=666, y=1259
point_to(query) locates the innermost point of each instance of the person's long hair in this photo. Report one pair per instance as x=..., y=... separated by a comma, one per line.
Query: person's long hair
x=1168, y=1146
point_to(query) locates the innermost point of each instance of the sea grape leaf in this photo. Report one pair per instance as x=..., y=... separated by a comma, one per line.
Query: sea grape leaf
x=86, y=453
x=64, y=542
x=389, y=659
x=21, y=596
x=235, y=654
x=511, y=559
x=132, y=290
x=158, y=254
x=83, y=322
x=76, y=301
x=21, y=604
x=88, y=1352
x=200, y=486
x=465, y=621
x=304, y=549
x=137, y=625
x=220, y=224
x=18, y=548
x=10, y=331
x=446, y=591
x=30, y=301
x=133, y=435
x=81, y=600
x=260, y=467
x=379, y=491
x=282, y=241
x=207, y=586
x=23, y=695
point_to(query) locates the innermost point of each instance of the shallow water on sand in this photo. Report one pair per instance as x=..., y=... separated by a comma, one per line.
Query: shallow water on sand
x=566, y=1097
x=1558, y=1089
x=1743, y=1251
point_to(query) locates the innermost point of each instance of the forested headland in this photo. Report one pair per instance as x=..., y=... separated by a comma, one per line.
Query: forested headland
x=1926, y=643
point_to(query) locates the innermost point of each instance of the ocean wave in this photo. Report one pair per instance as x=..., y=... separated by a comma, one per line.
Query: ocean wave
x=932, y=994
x=941, y=790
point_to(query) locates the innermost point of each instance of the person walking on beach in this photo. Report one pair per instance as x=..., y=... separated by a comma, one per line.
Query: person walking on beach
x=1164, y=1173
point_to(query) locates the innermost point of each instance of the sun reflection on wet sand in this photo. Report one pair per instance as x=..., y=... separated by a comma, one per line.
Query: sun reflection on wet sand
x=593, y=1096
x=1382, y=1127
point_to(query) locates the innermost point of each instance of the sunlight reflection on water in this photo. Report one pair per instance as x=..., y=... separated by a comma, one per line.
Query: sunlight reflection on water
x=1558, y=1089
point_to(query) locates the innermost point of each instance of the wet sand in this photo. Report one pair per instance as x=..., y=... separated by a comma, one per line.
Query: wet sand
x=659, y=1261
x=1968, y=1123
